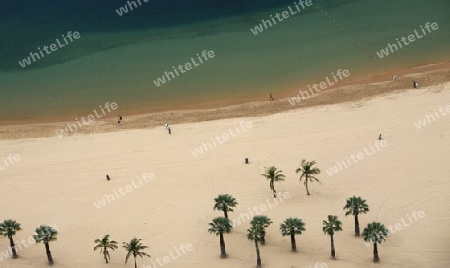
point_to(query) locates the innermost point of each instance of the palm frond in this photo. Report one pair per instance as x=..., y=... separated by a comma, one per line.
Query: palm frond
x=220, y=225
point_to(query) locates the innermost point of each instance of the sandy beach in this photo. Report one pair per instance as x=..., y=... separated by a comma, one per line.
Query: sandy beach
x=433, y=75
x=61, y=180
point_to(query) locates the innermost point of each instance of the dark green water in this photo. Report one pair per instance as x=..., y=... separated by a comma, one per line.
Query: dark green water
x=117, y=57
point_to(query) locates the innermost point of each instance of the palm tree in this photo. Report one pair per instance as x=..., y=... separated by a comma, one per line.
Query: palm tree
x=46, y=234
x=273, y=174
x=135, y=248
x=308, y=171
x=225, y=203
x=263, y=222
x=104, y=244
x=219, y=226
x=375, y=232
x=292, y=227
x=8, y=228
x=254, y=234
x=355, y=206
x=329, y=227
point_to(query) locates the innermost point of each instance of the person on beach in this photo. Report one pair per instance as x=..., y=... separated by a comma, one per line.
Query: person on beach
x=166, y=125
x=415, y=84
x=107, y=177
x=271, y=97
x=120, y=119
x=394, y=78
x=170, y=130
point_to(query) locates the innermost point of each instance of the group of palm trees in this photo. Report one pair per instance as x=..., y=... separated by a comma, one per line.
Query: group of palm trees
x=43, y=234
x=134, y=248
x=374, y=232
x=46, y=234
x=307, y=170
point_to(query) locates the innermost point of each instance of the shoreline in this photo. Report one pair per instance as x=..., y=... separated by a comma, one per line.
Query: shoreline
x=342, y=92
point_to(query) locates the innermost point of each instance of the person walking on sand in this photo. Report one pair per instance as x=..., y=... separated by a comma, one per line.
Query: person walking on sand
x=169, y=129
x=271, y=97
x=120, y=119
x=166, y=125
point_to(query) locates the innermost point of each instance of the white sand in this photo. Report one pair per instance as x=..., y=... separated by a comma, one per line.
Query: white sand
x=58, y=180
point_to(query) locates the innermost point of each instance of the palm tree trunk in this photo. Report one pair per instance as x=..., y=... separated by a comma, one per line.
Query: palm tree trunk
x=333, y=252
x=105, y=254
x=258, y=256
x=356, y=226
x=272, y=186
x=306, y=184
x=294, y=246
x=13, y=248
x=135, y=263
x=223, y=253
x=376, y=258
x=225, y=213
x=49, y=253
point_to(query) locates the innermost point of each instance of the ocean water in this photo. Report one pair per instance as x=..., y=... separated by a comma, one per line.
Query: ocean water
x=117, y=58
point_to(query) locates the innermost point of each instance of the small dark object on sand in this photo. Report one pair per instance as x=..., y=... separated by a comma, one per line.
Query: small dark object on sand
x=170, y=130
x=107, y=177
x=246, y=160
x=379, y=137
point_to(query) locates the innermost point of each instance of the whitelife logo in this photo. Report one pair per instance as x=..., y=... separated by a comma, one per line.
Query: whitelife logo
x=285, y=14
x=423, y=123
x=67, y=130
x=27, y=61
x=11, y=159
x=109, y=198
x=171, y=256
x=244, y=125
x=323, y=85
x=130, y=4
x=399, y=226
x=411, y=38
x=244, y=217
x=188, y=66
x=355, y=158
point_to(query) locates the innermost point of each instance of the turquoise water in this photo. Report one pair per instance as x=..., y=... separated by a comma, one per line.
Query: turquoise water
x=118, y=58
